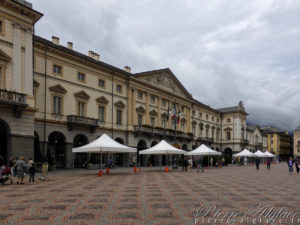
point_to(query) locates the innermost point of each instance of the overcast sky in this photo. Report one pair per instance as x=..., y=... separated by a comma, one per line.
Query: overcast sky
x=222, y=51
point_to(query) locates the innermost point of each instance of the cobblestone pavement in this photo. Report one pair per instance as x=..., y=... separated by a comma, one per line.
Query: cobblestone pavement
x=150, y=197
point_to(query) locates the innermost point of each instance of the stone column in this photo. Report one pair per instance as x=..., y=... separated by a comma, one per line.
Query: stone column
x=159, y=111
x=69, y=157
x=188, y=121
x=17, y=59
x=147, y=109
x=28, y=77
x=129, y=106
x=134, y=116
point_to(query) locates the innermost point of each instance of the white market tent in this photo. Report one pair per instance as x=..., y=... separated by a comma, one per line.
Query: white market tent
x=103, y=144
x=204, y=150
x=162, y=148
x=259, y=154
x=268, y=154
x=244, y=153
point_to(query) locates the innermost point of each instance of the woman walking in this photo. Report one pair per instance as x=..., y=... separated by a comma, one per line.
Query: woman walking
x=297, y=165
x=290, y=164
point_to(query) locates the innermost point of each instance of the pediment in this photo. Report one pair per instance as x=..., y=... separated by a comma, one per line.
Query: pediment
x=153, y=112
x=140, y=109
x=213, y=127
x=102, y=100
x=164, y=115
x=183, y=120
x=58, y=89
x=194, y=122
x=164, y=79
x=207, y=126
x=82, y=95
x=120, y=104
x=228, y=129
x=4, y=57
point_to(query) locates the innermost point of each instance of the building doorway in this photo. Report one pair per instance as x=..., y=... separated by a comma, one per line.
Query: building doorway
x=4, y=136
x=120, y=157
x=57, y=149
x=141, y=159
x=81, y=159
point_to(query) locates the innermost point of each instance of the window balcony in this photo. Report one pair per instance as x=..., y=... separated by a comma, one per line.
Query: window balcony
x=205, y=140
x=244, y=142
x=160, y=132
x=79, y=121
x=13, y=99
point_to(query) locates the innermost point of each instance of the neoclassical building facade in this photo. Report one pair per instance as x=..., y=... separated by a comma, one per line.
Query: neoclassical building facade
x=73, y=98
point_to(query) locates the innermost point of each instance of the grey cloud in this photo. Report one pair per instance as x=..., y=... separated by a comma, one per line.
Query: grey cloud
x=222, y=51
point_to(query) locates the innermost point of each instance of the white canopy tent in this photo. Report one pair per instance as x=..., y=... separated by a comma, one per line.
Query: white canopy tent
x=259, y=154
x=269, y=155
x=103, y=144
x=244, y=153
x=204, y=150
x=162, y=148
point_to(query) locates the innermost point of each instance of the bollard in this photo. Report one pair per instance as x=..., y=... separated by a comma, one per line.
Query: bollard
x=166, y=169
x=138, y=169
x=107, y=170
x=134, y=169
x=100, y=173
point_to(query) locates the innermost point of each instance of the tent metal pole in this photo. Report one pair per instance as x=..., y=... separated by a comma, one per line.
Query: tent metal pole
x=101, y=160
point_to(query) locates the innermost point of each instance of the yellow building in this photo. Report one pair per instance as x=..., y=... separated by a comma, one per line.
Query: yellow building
x=297, y=142
x=280, y=143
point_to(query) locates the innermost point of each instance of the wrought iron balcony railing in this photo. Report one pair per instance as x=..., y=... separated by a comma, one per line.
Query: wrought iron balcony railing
x=205, y=139
x=244, y=142
x=82, y=122
x=161, y=132
x=14, y=99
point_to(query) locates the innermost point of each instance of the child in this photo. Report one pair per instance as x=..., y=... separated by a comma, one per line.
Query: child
x=31, y=170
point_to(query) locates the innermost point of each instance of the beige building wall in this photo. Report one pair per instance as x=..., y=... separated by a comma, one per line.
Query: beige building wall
x=297, y=142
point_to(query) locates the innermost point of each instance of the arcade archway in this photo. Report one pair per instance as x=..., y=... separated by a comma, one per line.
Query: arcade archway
x=4, y=138
x=57, y=149
x=141, y=159
x=80, y=158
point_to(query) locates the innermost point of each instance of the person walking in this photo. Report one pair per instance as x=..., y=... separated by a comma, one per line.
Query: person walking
x=223, y=161
x=297, y=165
x=21, y=169
x=290, y=164
x=190, y=164
x=199, y=165
x=31, y=170
x=268, y=164
x=211, y=161
x=185, y=164
x=257, y=161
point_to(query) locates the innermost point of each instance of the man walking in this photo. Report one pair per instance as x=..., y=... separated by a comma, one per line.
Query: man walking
x=257, y=161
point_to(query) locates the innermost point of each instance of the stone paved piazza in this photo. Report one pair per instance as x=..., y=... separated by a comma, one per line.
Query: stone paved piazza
x=150, y=197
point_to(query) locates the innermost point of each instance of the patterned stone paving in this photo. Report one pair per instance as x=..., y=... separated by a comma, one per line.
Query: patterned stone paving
x=153, y=197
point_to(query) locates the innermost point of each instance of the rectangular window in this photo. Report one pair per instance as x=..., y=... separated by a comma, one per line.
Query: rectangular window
x=1, y=77
x=140, y=95
x=163, y=123
x=217, y=120
x=212, y=118
x=152, y=99
x=298, y=150
x=194, y=112
x=56, y=105
x=101, y=113
x=152, y=121
x=119, y=88
x=200, y=115
x=271, y=142
x=182, y=109
x=119, y=117
x=164, y=103
x=140, y=119
x=57, y=69
x=228, y=120
x=194, y=130
x=80, y=109
x=183, y=127
x=228, y=135
x=81, y=76
x=101, y=83
x=173, y=124
x=206, y=117
x=2, y=26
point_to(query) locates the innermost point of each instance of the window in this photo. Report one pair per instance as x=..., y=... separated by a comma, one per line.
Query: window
x=101, y=113
x=164, y=103
x=57, y=69
x=80, y=108
x=200, y=115
x=163, y=123
x=173, y=124
x=81, y=76
x=212, y=118
x=217, y=120
x=200, y=129
x=57, y=105
x=182, y=127
x=119, y=88
x=119, y=117
x=206, y=117
x=140, y=95
x=101, y=83
x=1, y=77
x=152, y=121
x=271, y=142
x=298, y=150
x=140, y=119
x=228, y=120
x=182, y=109
x=218, y=134
x=194, y=112
x=228, y=135
x=152, y=99
x=2, y=26
x=194, y=130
